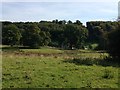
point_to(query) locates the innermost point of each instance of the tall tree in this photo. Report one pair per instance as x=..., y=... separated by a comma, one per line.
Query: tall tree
x=113, y=42
x=31, y=36
x=11, y=35
x=78, y=22
x=74, y=36
x=69, y=22
x=34, y=37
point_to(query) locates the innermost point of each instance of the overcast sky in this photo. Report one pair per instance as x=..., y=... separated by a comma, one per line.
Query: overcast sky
x=37, y=10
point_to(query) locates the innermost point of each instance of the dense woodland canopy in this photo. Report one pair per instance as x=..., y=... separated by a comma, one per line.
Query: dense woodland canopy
x=63, y=34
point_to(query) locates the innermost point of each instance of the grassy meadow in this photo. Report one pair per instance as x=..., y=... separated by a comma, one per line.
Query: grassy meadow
x=54, y=68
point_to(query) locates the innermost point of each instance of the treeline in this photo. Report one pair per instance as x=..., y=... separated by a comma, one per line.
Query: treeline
x=63, y=34
x=35, y=34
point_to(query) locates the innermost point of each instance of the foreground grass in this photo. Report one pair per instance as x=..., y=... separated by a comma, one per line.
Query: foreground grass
x=56, y=69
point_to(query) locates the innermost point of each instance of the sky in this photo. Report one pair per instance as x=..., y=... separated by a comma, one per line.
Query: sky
x=37, y=10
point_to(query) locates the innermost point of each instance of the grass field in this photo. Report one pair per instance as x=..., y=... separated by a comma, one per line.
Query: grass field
x=54, y=68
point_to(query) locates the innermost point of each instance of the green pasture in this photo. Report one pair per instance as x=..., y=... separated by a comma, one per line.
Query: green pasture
x=55, y=68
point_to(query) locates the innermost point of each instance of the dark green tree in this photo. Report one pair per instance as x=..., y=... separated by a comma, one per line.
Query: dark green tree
x=62, y=22
x=69, y=22
x=34, y=37
x=55, y=21
x=78, y=22
x=11, y=35
x=74, y=36
x=31, y=36
x=45, y=38
x=113, y=42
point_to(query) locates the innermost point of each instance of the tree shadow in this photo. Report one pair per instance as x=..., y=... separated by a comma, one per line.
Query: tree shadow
x=13, y=49
x=114, y=62
x=9, y=48
x=16, y=47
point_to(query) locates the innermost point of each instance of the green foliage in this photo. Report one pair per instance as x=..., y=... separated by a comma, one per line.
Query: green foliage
x=34, y=37
x=113, y=42
x=74, y=36
x=11, y=35
x=31, y=36
x=97, y=31
x=45, y=38
x=53, y=33
x=91, y=46
x=62, y=34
